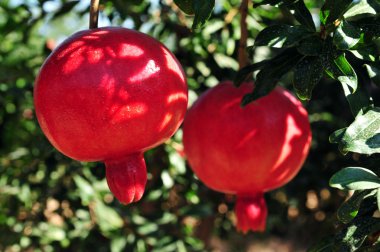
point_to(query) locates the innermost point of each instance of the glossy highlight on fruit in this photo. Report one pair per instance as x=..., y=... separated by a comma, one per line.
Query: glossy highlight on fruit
x=246, y=150
x=109, y=94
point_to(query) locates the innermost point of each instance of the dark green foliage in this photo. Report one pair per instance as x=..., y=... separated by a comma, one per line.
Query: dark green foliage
x=307, y=73
x=346, y=27
x=201, y=9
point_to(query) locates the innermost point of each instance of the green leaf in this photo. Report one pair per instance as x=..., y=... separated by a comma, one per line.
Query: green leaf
x=118, y=244
x=378, y=199
x=366, y=52
x=243, y=73
x=147, y=228
x=281, y=35
x=341, y=70
x=86, y=191
x=373, y=70
x=346, y=35
x=307, y=73
x=203, y=10
x=363, y=7
x=302, y=14
x=350, y=208
x=337, y=136
x=355, y=178
x=187, y=6
x=352, y=237
x=333, y=10
x=268, y=77
x=363, y=135
x=311, y=46
x=106, y=217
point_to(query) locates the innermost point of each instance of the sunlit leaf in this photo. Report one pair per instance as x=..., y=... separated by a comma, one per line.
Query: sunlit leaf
x=281, y=36
x=341, y=70
x=363, y=135
x=346, y=36
x=355, y=178
x=373, y=70
x=106, y=217
x=363, y=7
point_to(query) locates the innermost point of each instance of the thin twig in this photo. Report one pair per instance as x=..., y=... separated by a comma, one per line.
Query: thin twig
x=94, y=14
x=243, y=55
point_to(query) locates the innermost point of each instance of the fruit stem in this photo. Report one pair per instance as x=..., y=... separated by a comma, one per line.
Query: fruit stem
x=94, y=14
x=243, y=55
x=126, y=178
x=251, y=212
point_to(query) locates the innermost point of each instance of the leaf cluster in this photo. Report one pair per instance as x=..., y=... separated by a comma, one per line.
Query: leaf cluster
x=346, y=27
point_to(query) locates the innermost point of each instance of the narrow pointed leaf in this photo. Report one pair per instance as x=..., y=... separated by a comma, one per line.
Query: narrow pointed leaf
x=302, y=14
x=203, y=10
x=363, y=7
x=341, y=70
x=187, y=6
x=367, y=52
x=373, y=70
x=281, y=36
x=350, y=208
x=243, y=73
x=333, y=10
x=355, y=178
x=307, y=73
x=346, y=36
x=268, y=77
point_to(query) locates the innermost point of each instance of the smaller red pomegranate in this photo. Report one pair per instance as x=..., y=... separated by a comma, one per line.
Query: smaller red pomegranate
x=109, y=94
x=246, y=151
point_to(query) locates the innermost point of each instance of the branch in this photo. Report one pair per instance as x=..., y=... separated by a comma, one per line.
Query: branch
x=243, y=56
x=94, y=14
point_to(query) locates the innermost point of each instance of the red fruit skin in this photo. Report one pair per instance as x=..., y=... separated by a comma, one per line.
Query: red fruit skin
x=246, y=151
x=109, y=93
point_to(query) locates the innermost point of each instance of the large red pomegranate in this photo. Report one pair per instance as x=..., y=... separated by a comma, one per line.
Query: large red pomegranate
x=246, y=151
x=108, y=95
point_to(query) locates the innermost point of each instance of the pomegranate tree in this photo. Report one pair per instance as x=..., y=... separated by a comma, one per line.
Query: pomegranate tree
x=109, y=94
x=246, y=150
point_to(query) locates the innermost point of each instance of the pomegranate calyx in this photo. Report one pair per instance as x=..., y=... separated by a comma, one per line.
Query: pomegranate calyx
x=127, y=177
x=251, y=212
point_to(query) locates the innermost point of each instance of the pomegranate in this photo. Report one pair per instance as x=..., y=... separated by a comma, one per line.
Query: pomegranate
x=246, y=151
x=109, y=94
